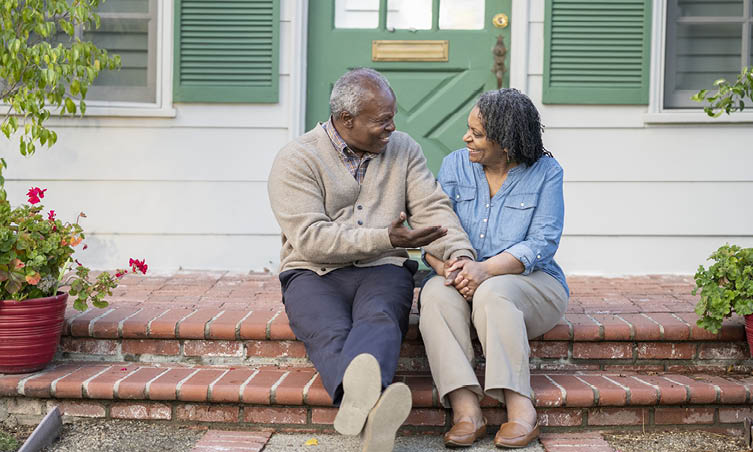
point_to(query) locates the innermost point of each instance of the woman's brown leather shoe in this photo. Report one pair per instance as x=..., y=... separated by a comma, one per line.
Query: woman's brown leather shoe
x=463, y=434
x=516, y=434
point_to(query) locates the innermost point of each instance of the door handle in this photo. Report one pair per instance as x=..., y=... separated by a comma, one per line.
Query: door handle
x=499, y=51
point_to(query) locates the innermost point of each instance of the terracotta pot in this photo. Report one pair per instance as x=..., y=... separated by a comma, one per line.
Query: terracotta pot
x=30, y=332
x=749, y=332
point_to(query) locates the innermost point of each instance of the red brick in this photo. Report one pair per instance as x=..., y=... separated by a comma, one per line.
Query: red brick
x=730, y=391
x=275, y=349
x=584, y=328
x=562, y=331
x=547, y=394
x=640, y=393
x=614, y=328
x=610, y=394
x=645, y=329
x=71, y=386
x=700, y=392
x=165, y=326
x=274, y=415
x=323, y=415
x=722, y=350
x=80, y=325
x=136, y=326
x=224, y=326
x=290, y=390
x=141, y=411
x=549, y=349
x=40, y=384
x=734, y=415
x=107, y=326
x=566, y=367
x=618, y=416
x=580, y=441
x=151, y=347
x=666, y=350
x=422, y=391
x=279, y=328
x=206, y=413
x=317, y=395
x=193, y=326
x=258, y=390
x=88, y=346
x=686, y=416
x=196, y=388
x=212, y=348
x=577, y=393
x=632, y=368
x=227, y=388
x=255, y=325
x=602, y=350
x=674, y=329
x=669, y=393
x=494, y=416
x=134, y=385
x=696, y=332
x=560, y=417
x=164, y=387
x=426, y=417
x=101, y=386
x=78, y=408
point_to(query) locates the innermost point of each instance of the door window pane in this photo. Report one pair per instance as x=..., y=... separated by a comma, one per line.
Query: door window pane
x=356, y=13
x=409, y=14
x=710, y=7
x=461, y=14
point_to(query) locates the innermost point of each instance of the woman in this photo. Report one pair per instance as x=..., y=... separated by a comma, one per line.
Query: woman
x=507, y=191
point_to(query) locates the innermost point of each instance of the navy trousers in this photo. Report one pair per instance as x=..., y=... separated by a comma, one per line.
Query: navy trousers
x=347, y=312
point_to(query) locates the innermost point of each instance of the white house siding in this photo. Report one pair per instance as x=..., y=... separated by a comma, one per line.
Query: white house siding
x=643, y=198
x=190, y=191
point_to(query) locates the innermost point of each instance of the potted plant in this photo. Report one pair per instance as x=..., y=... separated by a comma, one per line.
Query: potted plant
x=36, y=262
x=726, y=286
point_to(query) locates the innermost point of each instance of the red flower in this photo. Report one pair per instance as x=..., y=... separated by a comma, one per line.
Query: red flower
x=120, y=273
x=51, y=215
x=138, y=264
x=35, y=194
x=77, y=262
x=85, y=246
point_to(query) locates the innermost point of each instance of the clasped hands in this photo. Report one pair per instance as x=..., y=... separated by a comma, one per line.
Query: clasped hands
x=465, y=275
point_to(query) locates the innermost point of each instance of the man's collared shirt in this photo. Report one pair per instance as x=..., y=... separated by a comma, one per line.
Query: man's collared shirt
x=356, y=165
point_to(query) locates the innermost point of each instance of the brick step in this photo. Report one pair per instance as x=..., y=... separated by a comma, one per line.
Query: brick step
x=261, y=335
x=293, y=398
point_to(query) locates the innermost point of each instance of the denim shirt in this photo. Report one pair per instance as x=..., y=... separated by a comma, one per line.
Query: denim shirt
x=524, y=217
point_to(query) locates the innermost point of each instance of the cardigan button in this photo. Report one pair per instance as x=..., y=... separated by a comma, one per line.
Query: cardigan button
x=359, y=207
x=360, y=223
x=324, y=269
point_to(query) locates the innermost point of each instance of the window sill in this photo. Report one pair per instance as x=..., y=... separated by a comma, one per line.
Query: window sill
x=136, y=111
x=696, y=117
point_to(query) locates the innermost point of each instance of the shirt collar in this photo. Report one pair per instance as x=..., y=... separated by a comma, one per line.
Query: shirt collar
x=339, y=143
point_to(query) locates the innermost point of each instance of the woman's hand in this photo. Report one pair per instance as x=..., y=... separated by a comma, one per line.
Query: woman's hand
x=471, y=274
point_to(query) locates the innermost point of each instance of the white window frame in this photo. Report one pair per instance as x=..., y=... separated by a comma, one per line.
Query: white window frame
x=163, y=105
x=657, y=114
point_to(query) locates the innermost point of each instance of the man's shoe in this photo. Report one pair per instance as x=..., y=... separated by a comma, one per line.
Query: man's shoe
x=463, y=434
x=362, y=385
x=386, y=417
x=515, y=434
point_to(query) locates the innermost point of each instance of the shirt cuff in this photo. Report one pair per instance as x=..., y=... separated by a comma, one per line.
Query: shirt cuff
x=462, y=253
x=524, y=255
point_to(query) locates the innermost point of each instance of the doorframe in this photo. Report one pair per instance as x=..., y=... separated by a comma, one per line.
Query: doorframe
x=519, y=51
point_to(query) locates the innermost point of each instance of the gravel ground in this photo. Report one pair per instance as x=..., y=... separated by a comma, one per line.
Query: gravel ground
x=296, y=442
x=12, y=436
x=125, y=436
x=695, y=441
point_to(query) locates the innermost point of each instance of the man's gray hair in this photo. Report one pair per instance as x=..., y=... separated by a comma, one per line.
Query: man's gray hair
x=350, y=90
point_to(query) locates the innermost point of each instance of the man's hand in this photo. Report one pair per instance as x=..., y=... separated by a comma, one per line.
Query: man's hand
x=468, y=276
x=451, y=275
x=402, y=237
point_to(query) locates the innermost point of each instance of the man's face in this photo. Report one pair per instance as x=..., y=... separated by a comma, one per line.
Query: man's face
x=370, y=130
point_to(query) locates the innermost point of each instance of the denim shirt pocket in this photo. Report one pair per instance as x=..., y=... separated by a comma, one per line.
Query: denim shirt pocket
x=517, y=213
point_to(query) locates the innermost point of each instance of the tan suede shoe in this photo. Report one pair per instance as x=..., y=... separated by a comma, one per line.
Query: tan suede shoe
x=462, y=434
x=515, y=434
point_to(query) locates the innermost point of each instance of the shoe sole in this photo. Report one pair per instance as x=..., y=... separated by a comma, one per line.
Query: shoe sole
x=537, y=431
x=388, y=415
x=362, y=384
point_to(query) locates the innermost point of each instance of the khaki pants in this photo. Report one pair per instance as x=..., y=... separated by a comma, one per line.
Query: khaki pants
x=506, y=311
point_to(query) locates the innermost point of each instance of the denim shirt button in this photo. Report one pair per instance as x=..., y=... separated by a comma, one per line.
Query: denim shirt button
x=482, y=236
x=487, y=206
x=486, y=220
x=522, y=204
x=538, y=256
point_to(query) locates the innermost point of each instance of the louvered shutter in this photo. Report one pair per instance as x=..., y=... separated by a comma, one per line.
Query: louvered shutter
x=226, y=51
x=597, y=52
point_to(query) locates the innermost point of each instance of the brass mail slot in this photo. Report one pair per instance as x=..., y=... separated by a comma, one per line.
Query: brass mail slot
x=410, y=50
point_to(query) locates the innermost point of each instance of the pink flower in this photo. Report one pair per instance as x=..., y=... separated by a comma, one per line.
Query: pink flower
x=35, y=194
x=33, y=279
x=138, y=264
x=51, y=215
x=85, y=246
x=120, y=273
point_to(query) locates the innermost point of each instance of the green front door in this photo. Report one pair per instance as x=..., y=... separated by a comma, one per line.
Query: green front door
x=433, y=97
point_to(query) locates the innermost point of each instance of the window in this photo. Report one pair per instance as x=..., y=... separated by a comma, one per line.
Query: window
x=705, y=40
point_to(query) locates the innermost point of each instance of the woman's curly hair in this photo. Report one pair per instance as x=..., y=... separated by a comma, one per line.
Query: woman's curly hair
x=511, y=120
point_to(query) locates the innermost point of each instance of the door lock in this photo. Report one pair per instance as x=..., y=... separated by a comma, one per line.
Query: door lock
x=500, y=20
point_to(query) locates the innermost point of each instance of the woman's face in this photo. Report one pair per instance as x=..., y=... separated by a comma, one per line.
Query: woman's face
x=481, y=149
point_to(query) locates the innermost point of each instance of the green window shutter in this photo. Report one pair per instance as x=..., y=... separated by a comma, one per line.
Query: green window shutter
x=226, y=51
x=597, y=52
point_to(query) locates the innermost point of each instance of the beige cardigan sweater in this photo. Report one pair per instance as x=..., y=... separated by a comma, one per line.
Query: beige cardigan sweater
x=329, y=221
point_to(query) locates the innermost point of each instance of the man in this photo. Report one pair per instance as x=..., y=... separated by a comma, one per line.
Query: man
x=341, y=194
